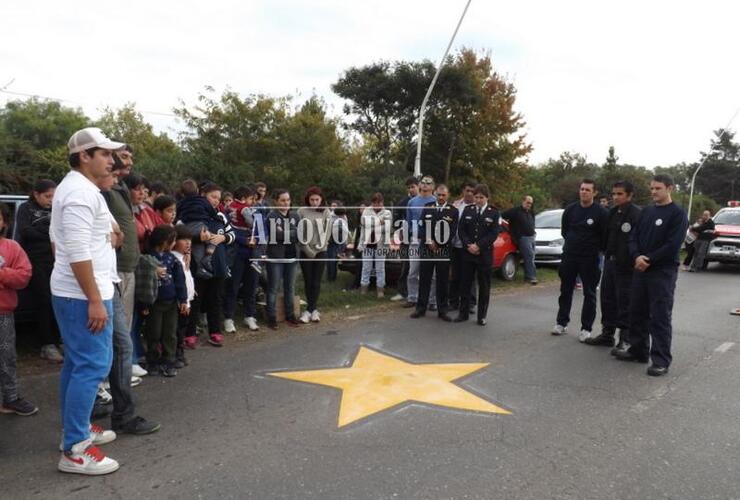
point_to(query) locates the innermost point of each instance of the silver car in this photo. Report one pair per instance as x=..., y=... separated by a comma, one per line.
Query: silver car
x=548, y=240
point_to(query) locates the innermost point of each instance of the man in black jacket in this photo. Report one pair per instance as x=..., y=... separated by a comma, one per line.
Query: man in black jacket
x=616, y=279
x=478, y=229
x=521, y=227
x=583, y=226
x=654, y=247
x=438, y=226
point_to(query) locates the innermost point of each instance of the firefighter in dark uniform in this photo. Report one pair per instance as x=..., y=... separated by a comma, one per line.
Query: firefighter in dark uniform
x=583, y=228
x=654, y=247
x=438, y=226
x=616, y=278
x=478, y=230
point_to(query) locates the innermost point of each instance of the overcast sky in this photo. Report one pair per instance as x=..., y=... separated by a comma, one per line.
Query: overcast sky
x=652, y=78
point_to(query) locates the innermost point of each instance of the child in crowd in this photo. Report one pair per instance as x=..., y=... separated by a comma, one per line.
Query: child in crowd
x=226, y=199
x=245, y=268
x=160, y=328
x=185, y=327
x=15, y=273
x=166, y=208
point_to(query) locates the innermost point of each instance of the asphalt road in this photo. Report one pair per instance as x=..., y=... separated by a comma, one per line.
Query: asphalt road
x=582, y=425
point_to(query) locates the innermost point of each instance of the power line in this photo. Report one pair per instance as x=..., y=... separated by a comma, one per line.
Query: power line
x=57, y=99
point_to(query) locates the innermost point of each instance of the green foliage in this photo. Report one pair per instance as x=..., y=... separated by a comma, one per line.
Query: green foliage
x=471, y=130
x=33, y=139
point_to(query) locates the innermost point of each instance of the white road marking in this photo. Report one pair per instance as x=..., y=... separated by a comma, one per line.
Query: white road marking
x=724, y=347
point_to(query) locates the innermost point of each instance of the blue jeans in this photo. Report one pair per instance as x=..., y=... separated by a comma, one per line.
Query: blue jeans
x=87, y=361
x=526, y=248
x=280, y=273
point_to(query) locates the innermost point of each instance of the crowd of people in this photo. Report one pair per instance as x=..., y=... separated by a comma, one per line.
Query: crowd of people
x=128, y=274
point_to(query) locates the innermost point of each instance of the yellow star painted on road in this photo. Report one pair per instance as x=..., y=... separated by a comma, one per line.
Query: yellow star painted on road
x=376, y=382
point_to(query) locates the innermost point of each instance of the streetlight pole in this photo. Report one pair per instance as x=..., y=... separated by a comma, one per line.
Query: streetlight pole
x=693, y=178
x=420, y=131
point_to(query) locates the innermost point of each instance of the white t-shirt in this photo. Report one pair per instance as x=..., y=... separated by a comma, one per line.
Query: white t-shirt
x=189, y=282
x=81, y=231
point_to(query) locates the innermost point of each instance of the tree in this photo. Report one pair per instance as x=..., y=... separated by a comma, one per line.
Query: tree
x=156, y=155
x=33, y=141
x=722, y=165
x=471, y=131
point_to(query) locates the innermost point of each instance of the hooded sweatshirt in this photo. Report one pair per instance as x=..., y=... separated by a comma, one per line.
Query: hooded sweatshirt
x=15, y=273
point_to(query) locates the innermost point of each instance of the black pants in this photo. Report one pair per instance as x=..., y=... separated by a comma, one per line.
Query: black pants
x=456, y=267
x=160, y=329
x=689, y=254
x=426, y=271
x=616, y=285
x=185, y=328
x=570, y=268
x=211, y=294
x=47, y=331
x=402, y=285
x=312, y=270
x=651, y=311
x=480, y=270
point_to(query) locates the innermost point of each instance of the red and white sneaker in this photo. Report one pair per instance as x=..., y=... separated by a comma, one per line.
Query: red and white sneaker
x=85, y=458
x=99, y=436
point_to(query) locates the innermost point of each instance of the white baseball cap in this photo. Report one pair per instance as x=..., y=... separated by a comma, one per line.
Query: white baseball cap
x=91, y=137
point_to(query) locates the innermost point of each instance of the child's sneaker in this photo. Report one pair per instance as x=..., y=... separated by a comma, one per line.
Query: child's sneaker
x=205, y=267
x=190, y=342
x=216, y=339
x=305, y=317
x=138, y=371
x=51, y=353
x=85, y=458
x=315, y=316
x=20, y=407
x=168, y=370
x=229, y=326
x=251, y=323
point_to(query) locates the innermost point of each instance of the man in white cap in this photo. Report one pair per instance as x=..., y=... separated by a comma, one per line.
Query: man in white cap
x=82, y=293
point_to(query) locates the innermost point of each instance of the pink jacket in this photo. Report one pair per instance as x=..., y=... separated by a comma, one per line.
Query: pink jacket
x=15, y=273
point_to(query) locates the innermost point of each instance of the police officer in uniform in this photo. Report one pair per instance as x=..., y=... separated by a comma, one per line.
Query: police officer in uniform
x=583, y=228
x=654, y=247
x=616, y=279
x=438, y=226
x=478, y=230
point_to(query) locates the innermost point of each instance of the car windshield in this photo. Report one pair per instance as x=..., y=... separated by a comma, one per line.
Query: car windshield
x=548, y=220
x=728, y=217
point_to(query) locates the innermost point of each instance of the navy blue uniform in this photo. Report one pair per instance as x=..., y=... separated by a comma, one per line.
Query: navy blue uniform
x=442, y=221
x=616, y=279
x=658, y=236
x=481, y=229
x=584, y=230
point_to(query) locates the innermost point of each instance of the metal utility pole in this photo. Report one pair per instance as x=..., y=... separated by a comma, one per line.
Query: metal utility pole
x=693, y=178
x=417, y=163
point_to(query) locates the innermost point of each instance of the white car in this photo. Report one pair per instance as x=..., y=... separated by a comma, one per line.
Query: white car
x=548, y=241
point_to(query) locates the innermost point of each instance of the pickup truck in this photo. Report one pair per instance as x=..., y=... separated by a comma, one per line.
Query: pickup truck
x=725, y=247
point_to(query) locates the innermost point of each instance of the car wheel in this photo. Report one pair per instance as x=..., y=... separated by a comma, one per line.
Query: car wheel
x=507, y=270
